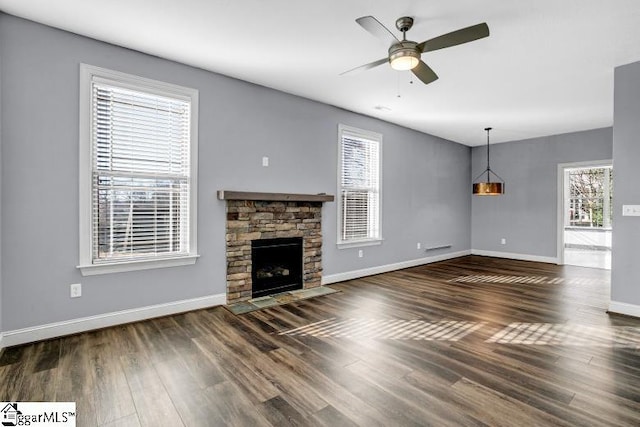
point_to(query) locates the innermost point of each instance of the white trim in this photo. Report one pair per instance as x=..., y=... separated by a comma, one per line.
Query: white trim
x=560, y=215
x=84, y=166
x=349, y=275
x=358, y=243
x=89, y=74
x=510, y=255
x=624, y=308
x=145, y=264
x=560, y=199
x=74, y=326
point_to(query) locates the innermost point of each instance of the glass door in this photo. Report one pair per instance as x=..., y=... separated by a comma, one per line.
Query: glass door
x=587, y=216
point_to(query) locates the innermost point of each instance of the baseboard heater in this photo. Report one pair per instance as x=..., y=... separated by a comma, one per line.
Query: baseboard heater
x=435, y=248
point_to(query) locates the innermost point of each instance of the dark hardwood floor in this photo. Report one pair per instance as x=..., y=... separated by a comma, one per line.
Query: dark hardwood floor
x=472, y=341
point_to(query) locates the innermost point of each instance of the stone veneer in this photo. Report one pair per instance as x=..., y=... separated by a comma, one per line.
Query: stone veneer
x=249, y=220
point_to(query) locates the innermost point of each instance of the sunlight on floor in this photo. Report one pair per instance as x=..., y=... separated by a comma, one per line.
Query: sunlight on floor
x=568, y=335
x=392, y=329
x=539, y=280
x=451, y=330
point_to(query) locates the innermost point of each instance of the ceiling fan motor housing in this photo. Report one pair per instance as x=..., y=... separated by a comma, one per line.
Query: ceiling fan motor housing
x=404, y=24
x=404, y=55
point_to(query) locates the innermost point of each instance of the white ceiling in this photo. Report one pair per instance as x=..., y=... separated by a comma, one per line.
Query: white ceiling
x=547, y=67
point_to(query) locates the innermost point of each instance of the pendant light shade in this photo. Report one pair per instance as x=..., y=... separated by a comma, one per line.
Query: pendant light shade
x=488, y=187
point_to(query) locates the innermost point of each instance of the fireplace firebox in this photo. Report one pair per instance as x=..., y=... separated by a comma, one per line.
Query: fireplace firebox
x=276, y=265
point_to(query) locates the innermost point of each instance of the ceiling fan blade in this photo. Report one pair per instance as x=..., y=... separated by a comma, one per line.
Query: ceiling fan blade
x=454, y=38
x=424, y=73
x=374, y=26
x=365, y=66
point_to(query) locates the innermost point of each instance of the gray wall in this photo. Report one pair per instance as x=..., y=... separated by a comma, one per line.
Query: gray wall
x=625, y=268
x=527, y=213
x=425, y=179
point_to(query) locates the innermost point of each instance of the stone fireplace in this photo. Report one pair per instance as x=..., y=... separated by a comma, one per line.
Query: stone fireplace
x=257, y=220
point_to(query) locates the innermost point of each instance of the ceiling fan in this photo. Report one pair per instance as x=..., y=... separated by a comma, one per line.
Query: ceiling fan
x=405, y=54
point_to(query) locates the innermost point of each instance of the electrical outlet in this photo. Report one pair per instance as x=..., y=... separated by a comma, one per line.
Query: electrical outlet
x=418, y=246
x=503, y=241
x=360, y=253
x=75, y=290
x=265, y=161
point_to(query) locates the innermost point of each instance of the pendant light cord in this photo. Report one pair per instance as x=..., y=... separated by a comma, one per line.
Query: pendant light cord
x=488, y=164
x=488, y=170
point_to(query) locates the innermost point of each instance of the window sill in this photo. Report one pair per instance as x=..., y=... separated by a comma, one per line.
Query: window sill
x=359, y=243
x=146, y=264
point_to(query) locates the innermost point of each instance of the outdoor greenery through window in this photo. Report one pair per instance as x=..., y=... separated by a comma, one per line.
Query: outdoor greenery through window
x=590, y=197
x=140, y=141
x=359, y=191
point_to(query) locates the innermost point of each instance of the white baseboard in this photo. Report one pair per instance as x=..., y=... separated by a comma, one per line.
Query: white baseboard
x=350, y=275
x=522, y=257
x=74, y=326
x=624, y=308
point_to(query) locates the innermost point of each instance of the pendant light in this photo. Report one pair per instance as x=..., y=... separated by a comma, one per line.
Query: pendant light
x=488, y=188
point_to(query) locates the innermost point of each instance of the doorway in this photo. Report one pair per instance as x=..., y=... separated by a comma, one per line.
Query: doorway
x=585, y=218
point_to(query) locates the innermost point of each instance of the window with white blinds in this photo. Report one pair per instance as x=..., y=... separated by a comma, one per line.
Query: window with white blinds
x=141, y=169
x=359, y=179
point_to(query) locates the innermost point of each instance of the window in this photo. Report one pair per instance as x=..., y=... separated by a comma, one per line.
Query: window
x=590, y=197
x=138, y=157
x=359, y=180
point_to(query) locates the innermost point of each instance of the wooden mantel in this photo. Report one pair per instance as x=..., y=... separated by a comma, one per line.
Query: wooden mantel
x=277, y=197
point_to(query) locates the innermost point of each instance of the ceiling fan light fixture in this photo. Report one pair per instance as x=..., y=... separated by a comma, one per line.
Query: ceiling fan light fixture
x=404, y=56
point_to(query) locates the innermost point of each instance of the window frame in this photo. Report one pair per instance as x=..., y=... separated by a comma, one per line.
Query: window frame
x=89, y=73
x=364, y=134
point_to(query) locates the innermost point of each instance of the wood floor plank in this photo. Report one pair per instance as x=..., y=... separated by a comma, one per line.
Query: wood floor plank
x=279, y=413
x=256, y=387
x=331, y=417
x=153, y=404
x=128, y=421
x=610, y=409
x=504, y=411
x=40, y=386
x=48, y=354
x=303, y=398
x=196, y=409
x=323, y=377
x=11, y=355
x=112, y=396
x=233, y=406
x=76, y=378
x=469, y=341
x=15, y=374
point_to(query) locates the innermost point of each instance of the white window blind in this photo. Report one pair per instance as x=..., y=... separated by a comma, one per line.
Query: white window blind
x=359, y=185
x=140, y=174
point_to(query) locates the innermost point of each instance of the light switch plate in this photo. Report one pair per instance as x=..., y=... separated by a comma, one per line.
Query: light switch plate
x=630, y=210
